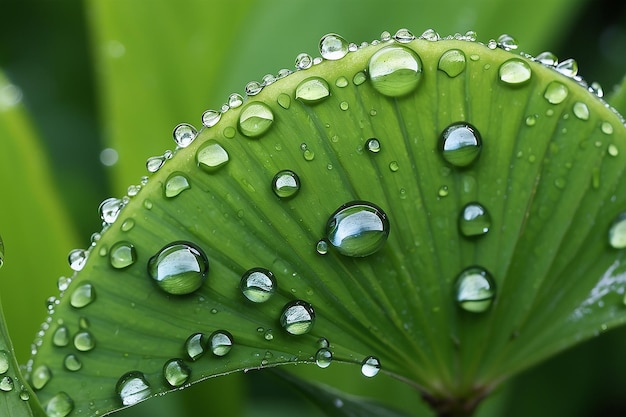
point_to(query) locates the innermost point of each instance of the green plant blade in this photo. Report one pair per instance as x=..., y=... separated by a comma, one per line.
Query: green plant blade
x=365, y=242
x=617, y=97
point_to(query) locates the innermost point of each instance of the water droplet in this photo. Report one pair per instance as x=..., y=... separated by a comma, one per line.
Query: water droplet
x=72, y=363
x=581, y=110
x=127, y=225
x=507, y=42
x=40, y=376
x=24, y=395
x=1, y=252
x=6, y=384
x=370, y=366
x=617, y=232
x=297, y=317
x=359, y=78
x=84, y=341
x=344, y=105
x=357, y=229
x=556, y=92
x=569, y=67
x=333, y=47
x=286, y=184
x=258, y=284
x=341, y=82
x=4, y=361
x=132, y=388
x=176, y=372
x=492, y=44
x=312, y=90
x=531, y=120
x=211, y=156
x=154, y=163
x=179, y=268
x=63, y=283
x=235, y=100
x=176, y=183
x=607, y=128
x=475, y=290
x=196, y=345
x=612, y=150
x=323, y=357
x=122, y=255
x=403, y=36
x=372, y=145
x=110, y=209
x=474, y=220
x=268, y=335
x=147, y=203
x=452, y=62
x=460, y=144
x=255, y=119
x=61, y=336
x=547, y=58
x=77, y=259
x=304, y=61
x=83, y=295
x=184, y=134
x=443, y=191
x=515, y=72
x=211, y=117
x=430, y=35
x=395, y=70
x=61, y=405
x=393, y=166
x=220, y=342
x=322, y=247
x=253, y=88
x=284, y=100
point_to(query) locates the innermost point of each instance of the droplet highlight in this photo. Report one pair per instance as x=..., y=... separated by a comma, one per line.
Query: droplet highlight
x=184, y=134
x=196, y=345
x=61, y=405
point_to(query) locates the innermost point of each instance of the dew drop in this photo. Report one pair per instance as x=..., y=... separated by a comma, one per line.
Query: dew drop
x=344, y=105
x=452, y=62
x=393, y=166
x=179, y=268
x=547, y=58
x=154, y=163
x=403, y=36
x=304, y=61
x=235, y=100
x=61, y=336
x=83, y=295
x=617, y=232
x=132, y=388
x=507, y=42
x=607, y=128
x=613, y=150
x=268, y=335
x=312, y=90
x=474, y=220
x=24, y=394
x=515, y=72
x=430, y=35
x=196, y=345
x=460, y=144
x=184, y=134
x=443, y=191
x=581, y=110
x=77, y=259
x=359, y=78
x=357, y=229
x=176, y=372
x=110, y=209
x=220, y=342
x=297, y=317
x=6, y=384
x=341, y=82
x=122, y=255
x=286, y=184
x=61, y=405
x=4, y=361
x=84, y=341
x=211, y=117
x=127, y=225
x=258, y=284
x=531, y=120
x=307, y=153
x=322, y=247
x=229, y=132
x=176, y=183
x=284, y=100
x=569, y=68
x=40, y=376
x=255, y=119
x=333, y=47
x=475, y=290
x=395, y=70
x=211, y=156
x=556, y=92
x=253, y=88
x=72, y=363
x=370, y=366
x=323, y=357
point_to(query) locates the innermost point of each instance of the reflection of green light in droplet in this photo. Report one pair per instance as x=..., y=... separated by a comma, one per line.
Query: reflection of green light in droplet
x=395, y=70
x=475, y=290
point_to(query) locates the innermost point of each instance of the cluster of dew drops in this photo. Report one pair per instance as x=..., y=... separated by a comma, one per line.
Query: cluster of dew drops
x=355, y=229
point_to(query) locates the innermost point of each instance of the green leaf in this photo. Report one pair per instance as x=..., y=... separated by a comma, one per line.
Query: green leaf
x=617, y=98
x=548, y=171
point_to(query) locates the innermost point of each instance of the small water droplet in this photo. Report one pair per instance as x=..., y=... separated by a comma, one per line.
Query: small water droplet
x=286, y=184
x=127, y=225
x=395, y=70
x=492, y=44
x=452, y=62
x=61, y=336
x=61, y=405
x=475, y=290
x=253, y=88
x=370, y=366
x=211, y=156
x=612, y=150
x=284, y=100
x=359, y=78
x=357, y=229
x=460, y=144
x=312, y=90
x=474, y=220
x=229, y=132
x=430, y=35
x=341, y=82
x=235, y=100
x=308, y=154
x=196, y=345
x=6, y=384
x=184, y=134
x=607, y=128
x=258, y=284
x=531, y=120
x=110, y=209
x=333, y=47
x=211, y=117
x=4, y=361
x=40, y=376
x=556, y=92
x=176, y=372
x=617, y=232
x=122, y=255
x=344, y=105
x=507, y=42
x=72, y=363
x=83, y=295
x=297, y=317
x=547, y=58
x=515, y=72
x=179, y=268
x=372, y=145
x=322, y=247
x=443, y=191
x=323, y=357
x=154, y=163
x=303, y=61
x=176, y=183
x=220, y=342
x=24, y=395
x=84, y=341
x=268, y=335
x=581, y=110
x=569, y=67
x=77, y=259
x=147, y=203
x=255, y=119
x=393, y=166
x=404, y=36
x=132, y=388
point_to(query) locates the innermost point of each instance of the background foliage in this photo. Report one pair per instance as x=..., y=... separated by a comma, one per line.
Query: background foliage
x=98, y=74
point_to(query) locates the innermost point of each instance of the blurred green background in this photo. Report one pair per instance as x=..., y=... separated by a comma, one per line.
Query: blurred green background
x=87, y=76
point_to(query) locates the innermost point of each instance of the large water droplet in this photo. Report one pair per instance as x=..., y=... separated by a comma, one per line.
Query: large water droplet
x=452, y=62
x=357, y=229
x=40, y=376
x=61, y=405
x=286, y=184
x=617, y=232
x=333, y=46
x=475, y=290
x=154, y=163
x=110, y=209
x=569, y=67
x=176, y=183
x=132, y=388
x=235, y=100
x=72, y=363
x=196, y=345
x=515, y=72
x=460, y=144
x=4, y=361
x=547, y=58
x=211, y=117
x=179, y=268
x=77, y=259
x=297, y=317
x=220, y=342
x=84, y=341
x=176, y=372
x=258, y=284
x=395, y=70
x=255, y=119
x=556, y=92
x=184, y=134
x=303, y=61
x=372, y=145
x=323, y=357
x=312, y=90
x=122, y=255
x=6, y=384
x=211, y=156
x=474, y=220
x=83, y=295
x=370, y=366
